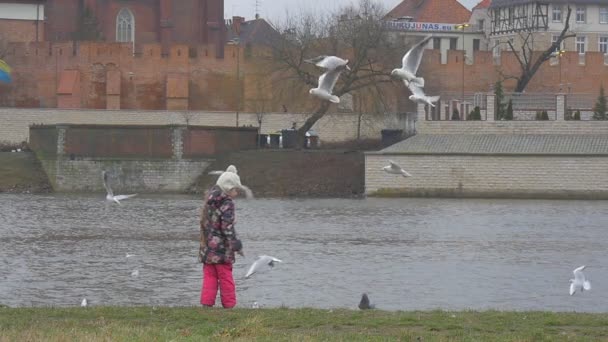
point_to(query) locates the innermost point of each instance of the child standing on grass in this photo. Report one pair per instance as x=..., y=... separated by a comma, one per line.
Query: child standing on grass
x=219, y=241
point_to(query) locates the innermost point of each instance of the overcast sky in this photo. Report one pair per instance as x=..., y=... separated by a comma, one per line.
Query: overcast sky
x=274, y=10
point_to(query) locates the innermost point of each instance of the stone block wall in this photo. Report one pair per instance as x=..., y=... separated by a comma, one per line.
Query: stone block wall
x=517, y=176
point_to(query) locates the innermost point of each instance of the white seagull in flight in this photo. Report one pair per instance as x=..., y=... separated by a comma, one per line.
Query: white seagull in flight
x=411, y=62
x=110, y=194
x=263, y=260
x=579, y=282
x=327, y=81
x=395, y=169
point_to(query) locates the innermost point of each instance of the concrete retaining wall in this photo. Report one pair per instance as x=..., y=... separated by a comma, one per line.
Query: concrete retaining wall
x=332, y=127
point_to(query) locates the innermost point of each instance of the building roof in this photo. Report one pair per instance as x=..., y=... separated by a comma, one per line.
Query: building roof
x=432, y=11
x=525, y=144
x=255, y=32
x=483, y=4
x=507, y=3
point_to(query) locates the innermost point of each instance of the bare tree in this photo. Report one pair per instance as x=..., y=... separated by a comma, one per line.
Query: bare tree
x=356, y=33
x=529, y=60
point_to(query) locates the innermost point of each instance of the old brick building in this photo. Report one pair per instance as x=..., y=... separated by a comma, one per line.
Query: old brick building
x=168, y=22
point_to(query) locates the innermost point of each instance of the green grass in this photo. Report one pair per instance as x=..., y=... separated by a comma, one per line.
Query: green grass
x=21, y=172
x=196, y=324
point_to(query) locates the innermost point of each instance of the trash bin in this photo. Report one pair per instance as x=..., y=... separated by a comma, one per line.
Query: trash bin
x=312, y=139
x=263, y=140
x=391, y=136
x=275, y=140
x=289, y=138
x=312, y=142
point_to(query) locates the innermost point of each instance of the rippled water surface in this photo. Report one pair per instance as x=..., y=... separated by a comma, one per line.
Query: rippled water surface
x=406, y=253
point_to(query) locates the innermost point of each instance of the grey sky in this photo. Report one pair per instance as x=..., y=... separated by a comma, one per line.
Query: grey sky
x=274, y=10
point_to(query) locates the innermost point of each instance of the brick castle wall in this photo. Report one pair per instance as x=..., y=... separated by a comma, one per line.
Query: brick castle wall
x=212, y=83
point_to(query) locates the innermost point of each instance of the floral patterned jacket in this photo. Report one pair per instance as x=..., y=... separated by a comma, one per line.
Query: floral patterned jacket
x=218, y=236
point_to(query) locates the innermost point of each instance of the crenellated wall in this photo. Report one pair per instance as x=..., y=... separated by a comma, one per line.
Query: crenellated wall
x=112, y=76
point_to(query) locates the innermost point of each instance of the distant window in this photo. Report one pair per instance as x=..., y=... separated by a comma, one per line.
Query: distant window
x=603, y=44
x=603, y=15
x=476, y=43
x=437, y=43
x=125, y=26
x=453, y=42
x=554, y=39
x=496, y=49
x=557, y=13
x=581, y=14
x=581, y=44
x=480, y=24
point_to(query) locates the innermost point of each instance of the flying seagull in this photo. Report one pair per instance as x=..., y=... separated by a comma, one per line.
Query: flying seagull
x=135, y=273
x=364, y=304
x=411, y=62
x=130, y=255
x=395, y=169
x=262, y=261
x=110, y=194
x=418, y=94
x=327, y=81
x=579, y=282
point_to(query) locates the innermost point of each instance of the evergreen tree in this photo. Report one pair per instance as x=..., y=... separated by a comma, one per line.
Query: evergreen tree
x=88, y=28
x=455, y=114
x=599, y=110
x=509, y=111
x=475, y=114
x=577, y=115
x=500, y=106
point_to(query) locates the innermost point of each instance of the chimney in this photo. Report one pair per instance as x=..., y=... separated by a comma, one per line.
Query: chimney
x=236, y=24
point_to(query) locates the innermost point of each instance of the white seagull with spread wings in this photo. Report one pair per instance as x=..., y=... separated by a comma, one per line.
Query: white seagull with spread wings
x=411, y=62
x=418, y=94
x=263, y=260
x=579, y=282
x=395, y=169
x=327, y=81
x=110, y=194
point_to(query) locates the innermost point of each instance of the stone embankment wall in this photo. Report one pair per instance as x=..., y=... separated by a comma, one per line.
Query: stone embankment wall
x=137, y=158
x=284, y=173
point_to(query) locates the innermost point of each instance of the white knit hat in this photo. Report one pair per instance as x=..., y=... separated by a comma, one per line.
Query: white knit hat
x=232, y=169
x=228, y=181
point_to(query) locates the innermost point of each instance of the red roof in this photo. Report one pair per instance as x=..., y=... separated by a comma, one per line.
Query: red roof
x=483, y=4
x=431, y=11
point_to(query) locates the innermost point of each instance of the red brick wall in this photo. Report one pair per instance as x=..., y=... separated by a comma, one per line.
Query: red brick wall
x=104, y=141
x=21, y=30
x=212, y=82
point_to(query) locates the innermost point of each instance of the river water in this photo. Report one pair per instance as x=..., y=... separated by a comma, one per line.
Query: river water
x=407, y=254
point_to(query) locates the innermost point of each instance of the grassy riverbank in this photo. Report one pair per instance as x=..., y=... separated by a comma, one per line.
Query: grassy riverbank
x=21, y=172
x=196, y=324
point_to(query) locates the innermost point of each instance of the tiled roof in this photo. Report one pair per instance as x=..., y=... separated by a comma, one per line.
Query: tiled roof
x=256, y=32
x=557, y=144
x=483, y=4
x=435, y=11
x=506, y=3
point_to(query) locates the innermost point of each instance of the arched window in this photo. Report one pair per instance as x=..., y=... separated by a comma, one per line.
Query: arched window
x=125, y=26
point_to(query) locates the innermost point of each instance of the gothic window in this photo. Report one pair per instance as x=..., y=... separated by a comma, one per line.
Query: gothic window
x=125, y=26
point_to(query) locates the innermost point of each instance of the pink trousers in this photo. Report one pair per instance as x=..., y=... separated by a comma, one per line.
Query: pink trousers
x=214, y=275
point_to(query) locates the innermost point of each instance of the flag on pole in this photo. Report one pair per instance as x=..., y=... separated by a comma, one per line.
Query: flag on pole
x=5, y=72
